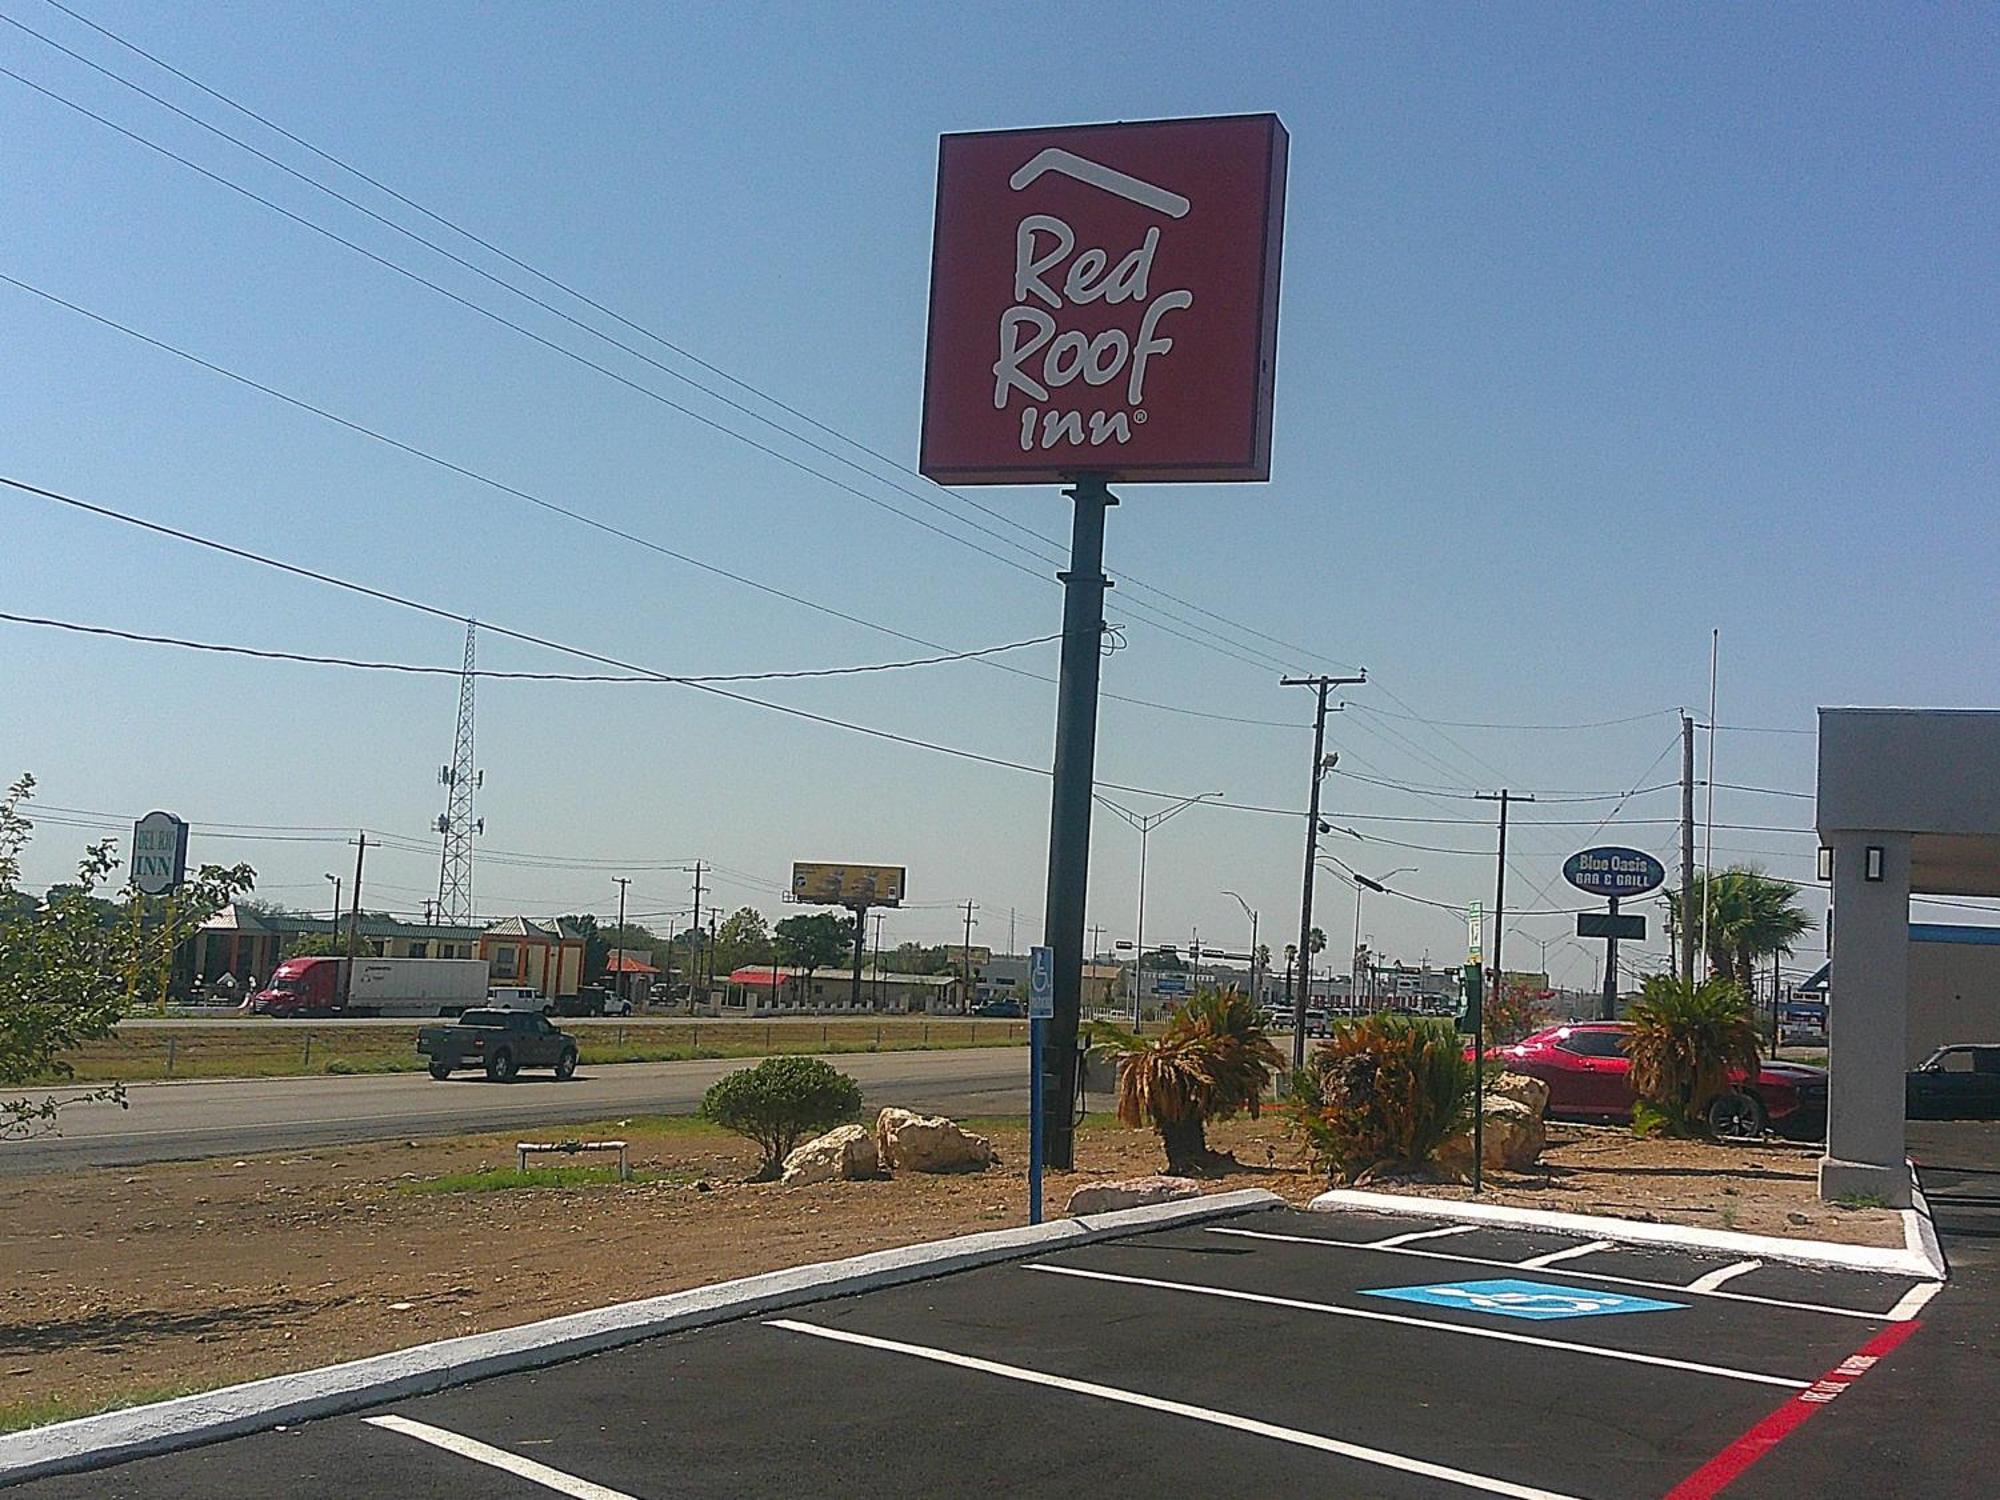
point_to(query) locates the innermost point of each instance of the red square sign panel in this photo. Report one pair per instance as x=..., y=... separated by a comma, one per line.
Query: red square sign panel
x=1104, y=300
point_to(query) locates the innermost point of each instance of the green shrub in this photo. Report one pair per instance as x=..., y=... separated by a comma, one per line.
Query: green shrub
x=780, y=1102
x=1382, y=1094
x=1685, y=1041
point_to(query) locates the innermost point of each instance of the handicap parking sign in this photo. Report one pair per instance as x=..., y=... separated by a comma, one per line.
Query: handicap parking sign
x=1523, y=1299
x=1041, y=983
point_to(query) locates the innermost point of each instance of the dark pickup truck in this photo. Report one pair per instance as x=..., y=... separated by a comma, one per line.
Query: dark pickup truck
x=501, y=1041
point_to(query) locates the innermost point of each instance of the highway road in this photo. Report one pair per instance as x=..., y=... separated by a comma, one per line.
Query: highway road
x=178, y=1121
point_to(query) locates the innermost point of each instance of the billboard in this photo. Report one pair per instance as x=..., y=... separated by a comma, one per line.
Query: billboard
x=847, y=885
x=1104, y=300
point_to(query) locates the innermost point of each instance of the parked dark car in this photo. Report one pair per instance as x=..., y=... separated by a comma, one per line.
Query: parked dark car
x=1008, y=1010
x=501, y=1041
x=1589, y=1077
x=590, y=1000
x=1959, y=1082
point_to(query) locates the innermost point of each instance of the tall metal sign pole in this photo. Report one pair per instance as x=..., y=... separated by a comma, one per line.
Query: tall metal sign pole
x=1103, y=309
x=1614, y=873
x=1069, y=811
x=1687, y=848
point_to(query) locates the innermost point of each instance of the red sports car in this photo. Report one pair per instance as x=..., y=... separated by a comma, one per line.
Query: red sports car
x=1588, y=1074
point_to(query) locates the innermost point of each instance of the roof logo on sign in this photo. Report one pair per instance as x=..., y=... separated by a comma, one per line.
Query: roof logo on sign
x=1097, y=175
x=1038, y=357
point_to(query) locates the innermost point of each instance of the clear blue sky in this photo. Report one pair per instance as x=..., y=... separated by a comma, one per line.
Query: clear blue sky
x=1601, y=326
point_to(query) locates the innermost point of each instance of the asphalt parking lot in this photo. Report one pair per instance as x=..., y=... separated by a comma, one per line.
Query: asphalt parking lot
x=1272, y=1353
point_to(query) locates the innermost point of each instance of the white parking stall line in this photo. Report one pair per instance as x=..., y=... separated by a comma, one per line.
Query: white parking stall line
x=1914, y=1300
x=1378, y=1456
x=498, y=1458
x=1716, y=1277
x=1433, y=1325
x=1510, y=1265
x=1422, y=1234
x=1554, y=1256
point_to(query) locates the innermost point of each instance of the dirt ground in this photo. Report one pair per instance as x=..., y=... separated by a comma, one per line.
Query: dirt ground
x=1601, y=1169
x=122, y=1284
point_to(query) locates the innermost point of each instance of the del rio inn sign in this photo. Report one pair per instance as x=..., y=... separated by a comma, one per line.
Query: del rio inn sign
x=1104, y=300
x=159, y=853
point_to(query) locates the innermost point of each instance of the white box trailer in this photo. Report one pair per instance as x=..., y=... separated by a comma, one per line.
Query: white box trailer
x=417, y=986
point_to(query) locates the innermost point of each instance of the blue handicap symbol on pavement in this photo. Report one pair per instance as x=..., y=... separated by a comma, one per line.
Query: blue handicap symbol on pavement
x=1523, y=1299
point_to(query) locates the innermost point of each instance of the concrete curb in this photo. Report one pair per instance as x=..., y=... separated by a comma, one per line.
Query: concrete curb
x=1822, y=1253
x=113, y=1437
x=1920, y=1234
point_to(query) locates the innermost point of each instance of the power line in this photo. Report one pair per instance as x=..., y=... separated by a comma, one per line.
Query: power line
x=558, y=348
x=1541, y=796
x=581, y=297
x=1456, y=910
x=310, y=659
x=581, y=517
x=521, y=328
x=1489, y=724
x=870, y=731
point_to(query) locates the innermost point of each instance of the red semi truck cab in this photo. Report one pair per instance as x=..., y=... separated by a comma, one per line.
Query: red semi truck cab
x=300, y=987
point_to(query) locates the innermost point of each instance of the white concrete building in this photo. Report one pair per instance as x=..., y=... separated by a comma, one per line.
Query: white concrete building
x=1909, y=803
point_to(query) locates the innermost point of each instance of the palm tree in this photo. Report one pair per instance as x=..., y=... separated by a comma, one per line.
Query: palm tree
x=1685, y=1042
x=1751, y=916
x=1213, y=1061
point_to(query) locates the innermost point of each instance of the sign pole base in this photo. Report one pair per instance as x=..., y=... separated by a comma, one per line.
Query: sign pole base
x=1035, y=1028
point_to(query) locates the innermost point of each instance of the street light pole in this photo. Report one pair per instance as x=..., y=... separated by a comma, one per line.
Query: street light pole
x=1146, y=823
x=1256, y=990
x=335, y=928
x=1139, y=952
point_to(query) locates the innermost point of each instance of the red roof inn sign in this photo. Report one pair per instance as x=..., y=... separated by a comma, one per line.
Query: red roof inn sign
x=1104, y=300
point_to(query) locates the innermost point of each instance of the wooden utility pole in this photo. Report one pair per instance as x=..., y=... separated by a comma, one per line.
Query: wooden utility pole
x=353, y=924
x=619, y=984
x=1503, y=797
x=965, y=953
x=1321, y=764
x=694, y=939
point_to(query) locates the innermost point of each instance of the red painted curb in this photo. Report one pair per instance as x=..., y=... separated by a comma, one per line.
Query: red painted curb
x=1720, y=1471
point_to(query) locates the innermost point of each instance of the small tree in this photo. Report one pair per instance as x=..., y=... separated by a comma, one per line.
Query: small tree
x=72, y=965
x=780, y=1102
x=743, y=938
x=1212, y=1062
x=316, y=944
x=813, y=942
x=1518, y=1009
